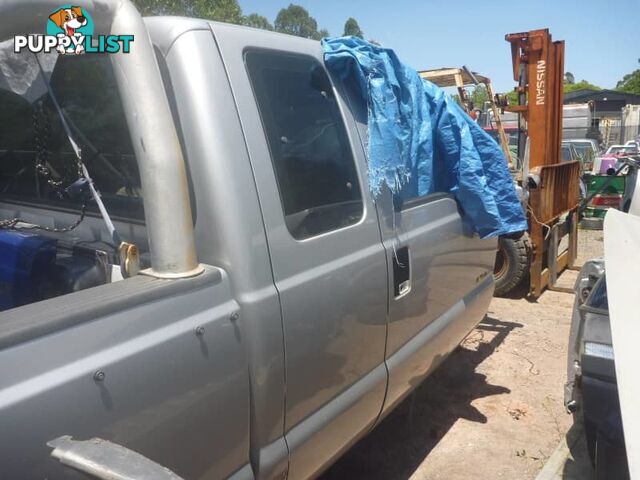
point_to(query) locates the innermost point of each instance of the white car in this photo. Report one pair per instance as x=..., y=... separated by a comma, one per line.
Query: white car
x=623, y=149
x=633, y=143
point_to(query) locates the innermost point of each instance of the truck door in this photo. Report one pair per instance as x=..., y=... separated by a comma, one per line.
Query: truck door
x=441, y=284
x=324, y=240
x=440, y=280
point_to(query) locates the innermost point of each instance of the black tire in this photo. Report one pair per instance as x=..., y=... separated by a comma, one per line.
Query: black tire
x=512, y=263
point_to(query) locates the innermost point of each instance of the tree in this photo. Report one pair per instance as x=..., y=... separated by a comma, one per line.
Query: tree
x=581, y=85
x=162, y=7
x=569, y=79
x=512, y=96
x=630, y=83
x=295, y=20
x=257, y=21
x=320, y=34
x=221, y=10
x=479, y=96
x=351, y=27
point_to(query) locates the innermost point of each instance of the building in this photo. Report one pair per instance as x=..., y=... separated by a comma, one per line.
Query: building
x=607, y=111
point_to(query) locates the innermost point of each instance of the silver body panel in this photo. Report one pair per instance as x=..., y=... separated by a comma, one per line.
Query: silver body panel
x=321, y=349
x=451, y=287
x=335, y=342
x=165, y=392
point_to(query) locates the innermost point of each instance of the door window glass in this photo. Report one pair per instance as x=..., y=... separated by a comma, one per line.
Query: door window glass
x=308, y=142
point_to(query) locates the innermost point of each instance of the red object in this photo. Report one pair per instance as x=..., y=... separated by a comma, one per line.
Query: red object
x=606, y=200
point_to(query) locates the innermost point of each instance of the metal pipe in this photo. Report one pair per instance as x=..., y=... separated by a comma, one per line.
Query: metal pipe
x=155, y=141
x=153, y=134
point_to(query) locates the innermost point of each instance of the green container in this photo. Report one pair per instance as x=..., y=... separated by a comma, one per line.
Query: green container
x=594, y=183
x=594, y=212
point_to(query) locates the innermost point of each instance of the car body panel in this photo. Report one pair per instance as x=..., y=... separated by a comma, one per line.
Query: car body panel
x=162, y=383
x=226, y=195
x=622, y=257
x=450, y=280
x=332, y=287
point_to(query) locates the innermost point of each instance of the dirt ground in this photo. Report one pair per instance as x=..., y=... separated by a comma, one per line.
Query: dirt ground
x=494, y=408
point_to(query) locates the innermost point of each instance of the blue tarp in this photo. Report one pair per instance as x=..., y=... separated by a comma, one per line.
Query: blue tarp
x=421, y=141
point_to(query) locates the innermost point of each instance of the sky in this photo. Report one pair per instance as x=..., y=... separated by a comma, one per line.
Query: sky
x=602, y=37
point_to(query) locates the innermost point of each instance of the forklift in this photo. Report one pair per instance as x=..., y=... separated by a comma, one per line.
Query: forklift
x=549, y=188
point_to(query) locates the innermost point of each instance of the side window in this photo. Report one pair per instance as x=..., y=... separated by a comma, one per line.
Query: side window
x=308, y=142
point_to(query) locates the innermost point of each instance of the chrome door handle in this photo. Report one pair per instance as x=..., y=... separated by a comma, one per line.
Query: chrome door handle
x=404, y=288
x=401, y=272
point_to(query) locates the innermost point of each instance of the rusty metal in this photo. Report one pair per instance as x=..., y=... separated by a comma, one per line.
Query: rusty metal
x=541, y=61
x=557, y=195
x=553, y=186
x=557, y=192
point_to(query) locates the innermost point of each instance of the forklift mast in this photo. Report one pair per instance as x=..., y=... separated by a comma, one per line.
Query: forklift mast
x=538, y=67
x=553, y=186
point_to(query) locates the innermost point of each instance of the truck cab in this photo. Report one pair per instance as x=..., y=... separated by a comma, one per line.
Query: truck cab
x=311, y=310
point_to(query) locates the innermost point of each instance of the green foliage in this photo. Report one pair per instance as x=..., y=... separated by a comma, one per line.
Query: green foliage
x=351, y=27
x=257, y=21
x=222, y=10
x=295, y=20
x=163, y=7
x=479, y=96
x=581, y=85
x=630, y=83
x=512, y=96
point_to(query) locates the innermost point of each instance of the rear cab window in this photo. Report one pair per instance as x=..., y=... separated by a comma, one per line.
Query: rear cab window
x=32, y=139
x=49, y=247
x=308, y=142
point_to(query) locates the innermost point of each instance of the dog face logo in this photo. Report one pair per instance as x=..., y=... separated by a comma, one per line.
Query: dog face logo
x=72, y=22
x=70, y=30
x=69, y=19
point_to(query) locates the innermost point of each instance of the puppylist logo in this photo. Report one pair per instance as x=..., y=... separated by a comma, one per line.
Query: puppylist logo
x=70, y=31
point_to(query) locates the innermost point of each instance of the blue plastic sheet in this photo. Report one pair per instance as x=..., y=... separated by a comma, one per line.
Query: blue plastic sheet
x=420, y=141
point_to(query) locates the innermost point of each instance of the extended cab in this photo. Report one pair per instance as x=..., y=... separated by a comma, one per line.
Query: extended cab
x=279, y=314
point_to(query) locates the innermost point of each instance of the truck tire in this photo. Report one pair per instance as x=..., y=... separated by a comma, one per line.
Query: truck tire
x=512, y=263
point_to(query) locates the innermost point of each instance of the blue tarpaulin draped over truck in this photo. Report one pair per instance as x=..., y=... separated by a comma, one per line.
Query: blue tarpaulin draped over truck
x=420, y=141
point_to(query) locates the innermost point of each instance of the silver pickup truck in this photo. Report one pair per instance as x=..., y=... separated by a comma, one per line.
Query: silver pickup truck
x=279, y=312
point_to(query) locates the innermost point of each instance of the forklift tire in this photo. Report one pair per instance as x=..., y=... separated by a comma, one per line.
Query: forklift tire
x=512, y=263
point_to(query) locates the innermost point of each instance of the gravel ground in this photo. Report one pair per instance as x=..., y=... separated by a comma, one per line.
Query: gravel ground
x=494, y=409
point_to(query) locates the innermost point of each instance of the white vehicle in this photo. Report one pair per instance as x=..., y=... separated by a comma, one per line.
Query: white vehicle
x=622, y=149
x=633, y=143
x=586, y=149
x=585, y=143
